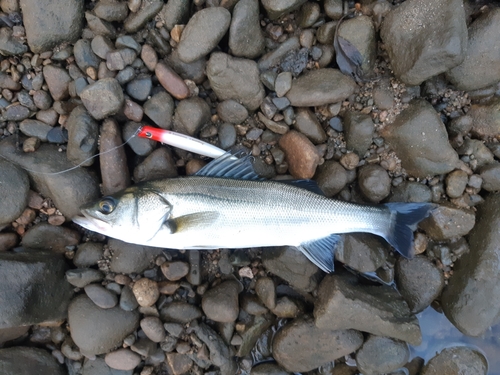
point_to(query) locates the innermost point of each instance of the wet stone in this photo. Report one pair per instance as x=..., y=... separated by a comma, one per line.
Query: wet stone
x=374, y=182
x=139, y=88
x=149, y=57
x=447, y=222
x=363, y=252
x=307, y=123
x=301, y=155
x=275, y=9
x=457, y=360
x=358, y=132
x=331, y=178
x=300, y=346
x=381, y=355
x=191, y=114
x=202, y=33
x=220, y=303
x=103, y=98
x=180, y=312
x=44, y=236
x=101, y=296
x=245, y=35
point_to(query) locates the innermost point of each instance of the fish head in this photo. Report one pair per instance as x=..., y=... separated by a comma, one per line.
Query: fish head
x=134, y=215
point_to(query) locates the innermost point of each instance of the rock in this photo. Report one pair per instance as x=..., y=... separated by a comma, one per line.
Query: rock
x=174, y=271
x=160, y=109
x=331, y=178
x=81, y=277
x=128, y=302
x=146, y=292
x=358, y=132
x=302, y=156
x=194, y=71
x=65, y=25
x=111, y=10
x=96, y=330
x=140, y=87
x=457, y=360
x=175, y=12
x=252, y=305
x=149, y=57
x=113, y=160
x=419, y=281
x=456, y=183
x=101, y=296
x=480, y=68
x=6, y=82
x=14, y=191
x=420, y=140
x=122, y=359
x=383, y=97
x=220, y=303
x=21, y=360
x=381, y=355
x=287, y=308
x=131, y=258
x=292, y=266
x=153, y=328
x=276, y=9
x=178, y=363
x=275, y=56
x=491, y=177
x=485, y=118
x=44, y=236
x=57, y=80
x=8, y=241
x=9, y=44
x=266, y=291
x=380, y=310
x=84, y=56
x=190, y=115
x=202, y=33
x=16, y=112
x=83, y=133
x=374, y=182
x=100, y=27
x=411, y=191
x=98, y=366
x=447, y=222
x=234, y=78
x=319, y=87
x=158, y=164
x=307, y=123
x=231, y=111
x=42, y=275
x=171, y=81
x=180, y=312
x=407, y=29
x=300, y=346
x=469, y=301
x=245, y=35
x=363, y=252
x=227, y=135
x=268, y=368
x=136, y=21
x=360, y=32
x=103, y=98
x=35, y=128
x=141, y=146
x=333, y=8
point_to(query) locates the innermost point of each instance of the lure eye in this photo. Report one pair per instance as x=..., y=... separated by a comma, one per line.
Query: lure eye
x=107, y=205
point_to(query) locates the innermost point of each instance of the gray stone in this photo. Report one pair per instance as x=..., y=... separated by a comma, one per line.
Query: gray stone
x=482, y=155
x=331, y=178
x=411, y=192
x=481, y=67
x=141, y=146
x=277, y=8
x=485, y=118
x=358, y=132
x=381, y=355
x=319, y=87
x=111, y=10
x=33, y=288
x=457, y=360
x=57, y=80
x=342, y=303
x=136, y=21
x=49, y=23
x=456, y=182
x=35, y=128
x=268, y=368
x=175, y=12
x=69, y=191
x=491, y=176
x=83, y=133
x=220, y=303
x=14, y=192
x=101, y=45
x=420, y=140
x=10, y=45
x=245, y=35
x=227, y=135
x=300, y=346
x=231, y=111
x=190, y=115
x=202, y=33
x=419, y=281
x=160, y=108
x=363, y=252
x=97, y=331
x=100, y=27
x=180, y=312
x=158, y=164
x=81, y=277
x=447, y=222
x=88, y=254
x=16, y=112
x=101, y=296
x=128, y=258
x=334, y=9
x=195, y=71
x=103, y=98
x=153, y=328
x=234, y=78
x=407, y=30
x=308, y=124
x=128, y=302
x=374, y=182
x=44, y=236
x=274, y=57
x=97, y=366
x=22, y=360
x=140, y=88
x=470, y=301
x=85, y=56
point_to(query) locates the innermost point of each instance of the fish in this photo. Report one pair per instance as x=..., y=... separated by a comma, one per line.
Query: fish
x=227, y=205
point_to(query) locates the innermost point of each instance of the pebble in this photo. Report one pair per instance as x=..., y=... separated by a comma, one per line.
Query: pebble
x=319, y=87
x=14, y=190
x=153, y=328
x=149, y=57
x=202, y=33
x=141, y=146
x=287, y=308
x=411, y=191
x=456, y=183
x=171, y=81
x=101, y=46
x=236, y=79
x=101, y=296
x=191, y=114
x=331, y=178
x=268, y=368
x=490, y=175
x=266, y=291
x=308, y=15
x=374, y=182
x=44, y=236
x=178, y=363
x=174, y=271
x=275, y=127
x=83, y=134
x=84, y=55
x=307, y=123
x=326, y=33
x=140, y=87
x=111, y=11
x=122, y=359
x=194, y=71
x=381, y=355
x=232, y=112
x=382, y=95
x=227, y=136
x=180, y=312
x=300, y=346
x=358, y=132
x=6, y=82
x=276, y=9
x=128, y=301
x=130, y=258
x=100, y=27
x=42, y=99
x=158, y=164
x=57, y=80
x=8, y=241
x=103, y=98
x=148, y=10
x=245, y=35
x=363, y=252
x=133, y=111
x=26, y=360
x=458, y=359
x=220, y=303
x=146, y=292
x=301, y=155
x=81, y=277
x=16, y=112
x=447, y=222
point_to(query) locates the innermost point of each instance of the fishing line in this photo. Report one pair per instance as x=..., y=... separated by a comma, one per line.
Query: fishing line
x=80, y=164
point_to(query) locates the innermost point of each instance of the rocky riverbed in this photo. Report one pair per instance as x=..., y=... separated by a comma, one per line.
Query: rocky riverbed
x=419, y=121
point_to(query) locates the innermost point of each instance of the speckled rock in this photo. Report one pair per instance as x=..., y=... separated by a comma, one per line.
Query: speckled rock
x=103, y=98
x=407, y=29
x=302, y=156
x=374, y=182
x=485, y=118
x=457, y=360
x=245, y=35
x=57, y=80
x=146, y=292
x=231, y=111
x=307, y=123
x=363, y=252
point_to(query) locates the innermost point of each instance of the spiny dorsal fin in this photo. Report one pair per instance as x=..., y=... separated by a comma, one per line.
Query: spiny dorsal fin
x=230, y=165
x=321, y=251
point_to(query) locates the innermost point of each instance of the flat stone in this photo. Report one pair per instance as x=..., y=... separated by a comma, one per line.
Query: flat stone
x=180, y=312
x=407, y=29
x=122, y=359
x=103, y=98
x=319, y=87
x=307, y=123
x=171, y=81
x=342, y=303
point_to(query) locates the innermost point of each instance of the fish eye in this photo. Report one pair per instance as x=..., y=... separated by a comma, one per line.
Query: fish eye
x=107, y=205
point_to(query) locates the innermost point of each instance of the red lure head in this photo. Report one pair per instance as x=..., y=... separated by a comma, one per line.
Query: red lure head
x=151, y=133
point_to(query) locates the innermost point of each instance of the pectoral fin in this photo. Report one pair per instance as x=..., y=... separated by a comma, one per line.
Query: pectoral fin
x=191, y=222
x=321, y=251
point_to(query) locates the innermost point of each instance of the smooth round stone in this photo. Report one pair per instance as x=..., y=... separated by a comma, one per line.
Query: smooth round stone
x=48, y=237
x=81, y=277
x=146, y=292
x=140, y=88
x=381, y=355
x=16, y=112
x=374, y=182
x=331, y=178
x=57, y=80
x=122, y=359
x=174, y=271
x=457, y=360
x=266, y=291
x=171, y=81
x=231, y=111
x=141, y=146
x=111, y=10
x=180, y=312
x=227, y=136
x=456, y=183
x=245, y=35
x=138, y=20
x=202, y=33
x=149, y=57
x=307, y=123
x=308, y=14
x=128, y=302
x=14, y=192
x=103, y=98
x=191, y=114
x=283, y=83
x=101, y=296
x=276, y=9
x=84, y=56
x=221, y=302
x=160, y=109
x=42, y=99
x=126, y=75
x=159, y=164
x=153, y=328
x=35, y=128
x=101, y=45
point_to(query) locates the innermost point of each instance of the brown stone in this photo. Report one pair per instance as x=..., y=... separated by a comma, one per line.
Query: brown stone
x=302, y=156
x=171, y=81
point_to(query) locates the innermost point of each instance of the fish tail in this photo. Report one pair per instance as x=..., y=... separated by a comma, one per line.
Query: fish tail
x=404, y=220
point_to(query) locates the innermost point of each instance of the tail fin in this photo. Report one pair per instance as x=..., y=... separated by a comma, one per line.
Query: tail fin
x=405, y=217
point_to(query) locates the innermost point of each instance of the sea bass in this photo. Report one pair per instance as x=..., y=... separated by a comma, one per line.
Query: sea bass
x=227, y=205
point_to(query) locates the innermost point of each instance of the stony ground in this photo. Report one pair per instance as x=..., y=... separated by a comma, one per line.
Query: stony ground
x=420, y=123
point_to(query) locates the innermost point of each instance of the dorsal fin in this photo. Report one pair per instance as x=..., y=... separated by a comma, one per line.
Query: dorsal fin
x=229, y=165
x=305, y=184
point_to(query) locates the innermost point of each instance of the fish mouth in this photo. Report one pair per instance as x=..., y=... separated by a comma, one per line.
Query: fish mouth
x=92, y=223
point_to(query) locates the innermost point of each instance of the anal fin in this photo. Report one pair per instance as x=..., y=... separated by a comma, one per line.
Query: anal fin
x=321, y=252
